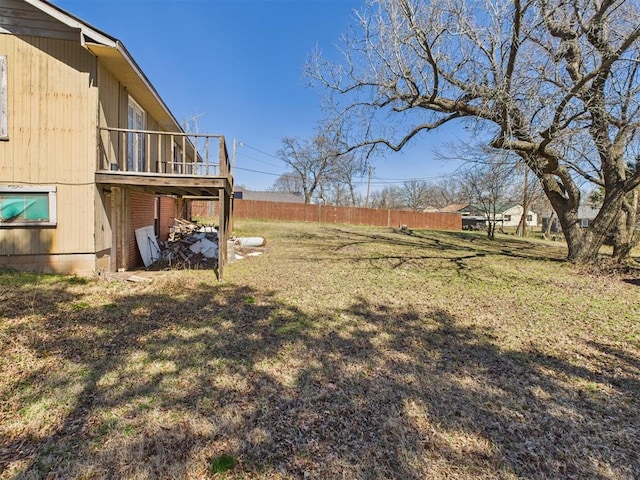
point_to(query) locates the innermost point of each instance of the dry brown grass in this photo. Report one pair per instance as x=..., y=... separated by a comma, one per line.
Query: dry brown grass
x=342, y=352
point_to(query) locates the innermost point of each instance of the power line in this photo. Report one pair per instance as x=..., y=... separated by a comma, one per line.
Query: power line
x=260, y=151
x=244, y=155
x=258, y=171
x=374, y=180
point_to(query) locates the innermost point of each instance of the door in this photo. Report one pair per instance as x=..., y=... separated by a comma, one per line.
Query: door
x=135, y=141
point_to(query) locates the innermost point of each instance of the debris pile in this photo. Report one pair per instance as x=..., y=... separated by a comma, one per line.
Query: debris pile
x=190, y=246
x=193, y=246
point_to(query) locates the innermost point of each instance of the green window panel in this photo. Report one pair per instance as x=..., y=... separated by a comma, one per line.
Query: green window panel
x=27, y=206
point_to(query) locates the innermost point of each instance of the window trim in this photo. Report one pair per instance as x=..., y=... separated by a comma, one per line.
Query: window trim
x=4, y=99
x=51, y=190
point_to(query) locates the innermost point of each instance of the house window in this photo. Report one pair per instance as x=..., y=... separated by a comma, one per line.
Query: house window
x=507, y=218
x=584, y=222
x=4, y=102
x=529, y=218
x=135, y=141
x=22, y=206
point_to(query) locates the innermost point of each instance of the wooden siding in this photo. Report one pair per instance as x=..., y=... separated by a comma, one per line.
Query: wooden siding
x=297, y=212
x=103, y=219
x=20, y=18
x=4, y=125
x=110, y=106
x=52, y=101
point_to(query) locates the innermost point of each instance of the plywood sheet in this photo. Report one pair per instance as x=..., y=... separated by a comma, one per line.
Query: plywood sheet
x=148, y=245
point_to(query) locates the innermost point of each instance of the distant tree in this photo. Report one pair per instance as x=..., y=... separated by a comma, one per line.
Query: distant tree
x=336, y=193
x=288, y=182
x=346, y=171
x=310, y=160
x=388, y=197
x=445, y=192
x=556, y=82
x=487, y=186
x=415, y=194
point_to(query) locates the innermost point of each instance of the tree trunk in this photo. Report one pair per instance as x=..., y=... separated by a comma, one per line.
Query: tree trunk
x=491, y=230
x=547, y=232
x=582, y=245
x=625, y=235
x=584, y=242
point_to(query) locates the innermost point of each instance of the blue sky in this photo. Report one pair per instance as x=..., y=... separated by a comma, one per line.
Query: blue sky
x=237, y=67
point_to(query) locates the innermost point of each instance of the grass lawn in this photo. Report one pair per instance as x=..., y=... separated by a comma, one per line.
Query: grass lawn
x=342, y=352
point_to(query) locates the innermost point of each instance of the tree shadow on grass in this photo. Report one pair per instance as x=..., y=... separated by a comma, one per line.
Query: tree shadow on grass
x=455, y=246
x=173, y=380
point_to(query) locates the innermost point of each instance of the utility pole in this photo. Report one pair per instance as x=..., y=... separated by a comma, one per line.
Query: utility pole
x=193, y=120
x=233, y=158
x=366, y=202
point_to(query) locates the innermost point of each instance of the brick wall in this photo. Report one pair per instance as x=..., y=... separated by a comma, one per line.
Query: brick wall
x=142, y=214
x=168, y=211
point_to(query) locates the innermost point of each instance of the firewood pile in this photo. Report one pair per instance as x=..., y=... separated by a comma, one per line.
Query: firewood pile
x=190, y=246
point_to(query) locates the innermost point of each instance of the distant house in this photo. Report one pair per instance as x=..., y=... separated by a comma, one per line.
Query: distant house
x=267, y=196
x=456, y=208
x=89, y=151
x=512, y=216
x=475, y=218
x=586, y=215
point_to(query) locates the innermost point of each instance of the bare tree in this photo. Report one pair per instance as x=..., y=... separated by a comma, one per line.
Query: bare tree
x=624, y=235
x=310, y=160
x=445, y=192
x=388, y=197
x=488, y=186
x=415, y=194
x=345, y=172
x=288, y=182
x=553, y=81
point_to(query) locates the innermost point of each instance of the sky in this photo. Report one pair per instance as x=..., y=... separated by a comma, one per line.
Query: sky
x=235, y=68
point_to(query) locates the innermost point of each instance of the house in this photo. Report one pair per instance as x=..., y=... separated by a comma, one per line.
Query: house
x=475, y=217
x=586, y=215
x=268, y=196
x=512, y=216
x=89, y=152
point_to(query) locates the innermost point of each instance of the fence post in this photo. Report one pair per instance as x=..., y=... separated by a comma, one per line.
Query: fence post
x=388, y=218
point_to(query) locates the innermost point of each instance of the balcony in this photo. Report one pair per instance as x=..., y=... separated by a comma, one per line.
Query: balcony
x=164, y=163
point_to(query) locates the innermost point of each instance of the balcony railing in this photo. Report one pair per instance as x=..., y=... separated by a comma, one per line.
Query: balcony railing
x=172, y=153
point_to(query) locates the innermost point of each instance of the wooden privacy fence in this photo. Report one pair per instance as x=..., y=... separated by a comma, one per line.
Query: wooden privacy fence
x=300, y=212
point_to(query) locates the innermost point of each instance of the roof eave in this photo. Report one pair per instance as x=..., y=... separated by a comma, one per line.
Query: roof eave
x=118, y=60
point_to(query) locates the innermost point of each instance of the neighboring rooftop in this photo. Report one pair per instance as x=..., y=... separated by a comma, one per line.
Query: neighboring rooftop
x=268, y=196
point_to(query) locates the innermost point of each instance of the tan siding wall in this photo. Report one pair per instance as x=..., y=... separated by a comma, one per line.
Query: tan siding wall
x=109, y=111
x=142, y=215
x=52, y=127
